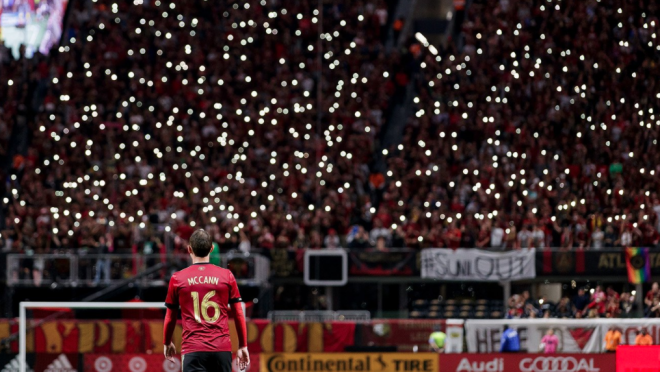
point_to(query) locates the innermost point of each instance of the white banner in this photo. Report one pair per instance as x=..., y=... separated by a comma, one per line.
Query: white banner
x=478, y=265
x=575, y=335
x=454, y=332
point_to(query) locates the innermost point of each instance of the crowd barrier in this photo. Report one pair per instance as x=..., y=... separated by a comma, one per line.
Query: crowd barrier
x=575, y=335
x=261, y=265
x=481, y=336
x=145, y=336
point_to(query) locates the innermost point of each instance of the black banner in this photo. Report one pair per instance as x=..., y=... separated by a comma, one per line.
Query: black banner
x=375, y=263
x=285, y=263
x=580, y=262
x=403, y=262
x=9, y=362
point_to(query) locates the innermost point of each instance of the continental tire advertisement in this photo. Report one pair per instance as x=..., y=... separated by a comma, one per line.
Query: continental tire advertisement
x=349, y=362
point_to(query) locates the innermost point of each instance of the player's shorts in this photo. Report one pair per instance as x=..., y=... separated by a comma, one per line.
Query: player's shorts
x=201, y=361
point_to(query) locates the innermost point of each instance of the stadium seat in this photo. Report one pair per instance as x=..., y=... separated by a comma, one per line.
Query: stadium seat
x=435, y=302
x=420, y=303
x=417, y=314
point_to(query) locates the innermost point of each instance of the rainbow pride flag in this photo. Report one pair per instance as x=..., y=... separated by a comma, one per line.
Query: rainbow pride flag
x=639, y=266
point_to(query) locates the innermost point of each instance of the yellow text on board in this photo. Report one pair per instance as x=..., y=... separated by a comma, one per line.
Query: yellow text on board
x=348, y=362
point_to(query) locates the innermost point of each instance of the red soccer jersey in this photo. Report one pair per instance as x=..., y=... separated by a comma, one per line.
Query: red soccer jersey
x=204, y=292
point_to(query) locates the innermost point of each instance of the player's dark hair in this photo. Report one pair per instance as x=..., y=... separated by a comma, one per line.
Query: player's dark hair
x=200, y=242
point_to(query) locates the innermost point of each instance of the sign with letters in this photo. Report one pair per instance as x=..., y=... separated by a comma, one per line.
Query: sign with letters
x=478, y=265
x=409, y=334
x=528, y=363
x=574, y=335
x=602, y=263
x=366, y=362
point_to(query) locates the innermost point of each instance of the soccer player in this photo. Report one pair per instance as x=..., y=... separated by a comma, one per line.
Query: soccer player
x=206, y=294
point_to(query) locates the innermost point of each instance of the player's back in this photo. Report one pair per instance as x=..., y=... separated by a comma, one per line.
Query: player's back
x=204, y=292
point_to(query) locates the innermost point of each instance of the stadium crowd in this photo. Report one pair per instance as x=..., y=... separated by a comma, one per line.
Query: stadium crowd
x=587, y=303
x=162, y=117
x=168, y=117
x=540, y=132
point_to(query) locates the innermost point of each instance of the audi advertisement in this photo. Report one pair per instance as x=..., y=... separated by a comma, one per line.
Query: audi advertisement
x=528, y=363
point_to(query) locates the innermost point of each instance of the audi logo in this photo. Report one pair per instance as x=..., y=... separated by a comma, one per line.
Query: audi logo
x=557, y=364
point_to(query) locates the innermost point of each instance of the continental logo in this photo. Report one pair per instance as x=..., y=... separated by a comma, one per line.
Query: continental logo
x=349, y=362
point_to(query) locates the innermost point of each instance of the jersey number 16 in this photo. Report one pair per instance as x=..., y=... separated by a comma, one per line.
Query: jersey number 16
x=206, y=303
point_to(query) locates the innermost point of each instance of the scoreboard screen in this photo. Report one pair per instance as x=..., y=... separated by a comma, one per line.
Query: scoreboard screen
x=326, y=268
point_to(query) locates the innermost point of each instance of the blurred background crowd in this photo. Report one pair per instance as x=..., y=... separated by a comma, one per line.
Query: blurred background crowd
x=586, y=303
x=541, y=132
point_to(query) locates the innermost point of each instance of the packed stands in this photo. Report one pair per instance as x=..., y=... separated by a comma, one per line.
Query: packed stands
x=541, y=132
x=262, y=122
x=519, y=140
x=222, y=115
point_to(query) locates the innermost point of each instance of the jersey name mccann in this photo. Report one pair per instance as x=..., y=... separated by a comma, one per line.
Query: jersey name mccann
x=203, y=280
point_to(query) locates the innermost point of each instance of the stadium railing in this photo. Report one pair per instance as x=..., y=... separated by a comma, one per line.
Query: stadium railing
x=82, y=269
x=88, y=269
x=316, y=316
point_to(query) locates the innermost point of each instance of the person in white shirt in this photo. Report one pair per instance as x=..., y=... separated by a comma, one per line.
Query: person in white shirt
x=379, y=231
x=497, y=237
x=597, y=238
x=538, y=237
x=332, y=239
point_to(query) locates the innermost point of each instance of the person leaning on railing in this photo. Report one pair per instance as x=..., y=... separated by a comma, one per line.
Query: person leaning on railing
x=104, y=247
x=654, y=310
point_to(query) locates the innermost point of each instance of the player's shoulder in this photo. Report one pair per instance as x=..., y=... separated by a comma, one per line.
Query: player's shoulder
x=202, y=269
x=222, y=271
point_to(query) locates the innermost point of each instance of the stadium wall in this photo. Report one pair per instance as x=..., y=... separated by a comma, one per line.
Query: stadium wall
x=629, y=359
x=575, y=335
x=145, y=336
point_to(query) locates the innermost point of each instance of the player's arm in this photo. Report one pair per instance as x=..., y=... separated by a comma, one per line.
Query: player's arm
x=237, y=309
x=432, y=344
x=172, y=304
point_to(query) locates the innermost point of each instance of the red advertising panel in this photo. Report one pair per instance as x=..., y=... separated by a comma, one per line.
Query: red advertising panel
x=146, y=336
x=638, y=359
x=528, y=363
x=130, y=363
x=144, y=363
x=56, y=362
x=404, y=333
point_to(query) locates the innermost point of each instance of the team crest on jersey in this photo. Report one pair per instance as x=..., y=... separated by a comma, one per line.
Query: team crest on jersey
x=201, y=268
